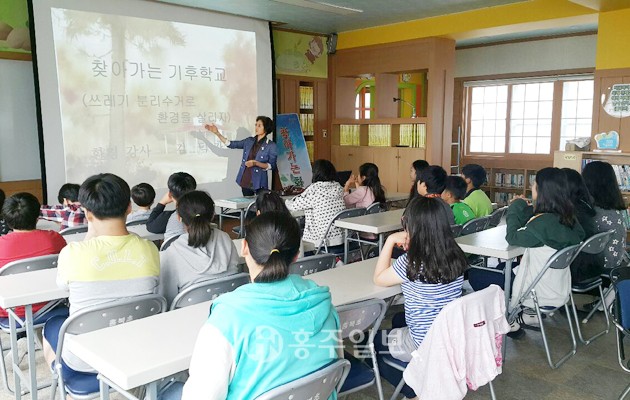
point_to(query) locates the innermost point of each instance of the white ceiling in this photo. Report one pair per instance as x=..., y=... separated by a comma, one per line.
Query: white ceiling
x=328, y=16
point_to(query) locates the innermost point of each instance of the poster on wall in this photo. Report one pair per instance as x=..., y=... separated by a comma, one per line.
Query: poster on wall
x=617, y=103
x=294, y=164
x=14, y=31
x=300, y=54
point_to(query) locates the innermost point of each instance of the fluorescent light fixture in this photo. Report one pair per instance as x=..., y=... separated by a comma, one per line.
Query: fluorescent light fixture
x=321, y=6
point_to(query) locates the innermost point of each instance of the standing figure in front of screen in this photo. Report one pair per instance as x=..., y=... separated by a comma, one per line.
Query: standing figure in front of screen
x=259, y=155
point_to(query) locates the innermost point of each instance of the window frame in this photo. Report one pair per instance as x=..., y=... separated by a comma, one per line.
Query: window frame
x=557, y=77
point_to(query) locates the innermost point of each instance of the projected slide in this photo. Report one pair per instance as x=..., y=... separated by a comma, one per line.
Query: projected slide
x=134, y=94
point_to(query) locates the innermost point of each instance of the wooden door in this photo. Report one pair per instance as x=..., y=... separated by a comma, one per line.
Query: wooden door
x=407, y=155
x=386, y=158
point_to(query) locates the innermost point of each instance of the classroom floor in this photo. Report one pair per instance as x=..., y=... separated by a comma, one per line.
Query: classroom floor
x=593, y=373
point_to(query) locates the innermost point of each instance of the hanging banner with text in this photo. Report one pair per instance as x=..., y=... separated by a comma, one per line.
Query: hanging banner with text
x=294, y=164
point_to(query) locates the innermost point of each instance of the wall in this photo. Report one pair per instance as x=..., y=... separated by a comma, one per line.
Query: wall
x=613, y=41
x=19, y=148
x=565, y=53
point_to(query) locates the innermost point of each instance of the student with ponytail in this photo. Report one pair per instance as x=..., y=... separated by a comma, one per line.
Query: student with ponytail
x=368, y=188
x=272, y=331
x=200, y=254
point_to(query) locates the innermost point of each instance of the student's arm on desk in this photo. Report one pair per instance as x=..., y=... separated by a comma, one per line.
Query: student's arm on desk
x=517, y=234
x=384, y=274
x=211, y=366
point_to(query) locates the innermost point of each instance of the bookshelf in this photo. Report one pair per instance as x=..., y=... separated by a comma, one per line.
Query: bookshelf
x=505, y=183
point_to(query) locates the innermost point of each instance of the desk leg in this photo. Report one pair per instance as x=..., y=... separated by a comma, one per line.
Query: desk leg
x=380, y=243
x=507, y=290
x=240, y=234
x=151, y=391
x=104, y=389
x=14, y=352
x=30, y=341
x=345, y=246
x=222, y=210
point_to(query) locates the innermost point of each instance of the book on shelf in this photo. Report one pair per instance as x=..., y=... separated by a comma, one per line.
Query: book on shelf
x=310, y=148
x=349, y=135
x=412, y=135
x=306, y=97
x=307, y=122
x=502, y=179
x=380, y=135
x=502, y=198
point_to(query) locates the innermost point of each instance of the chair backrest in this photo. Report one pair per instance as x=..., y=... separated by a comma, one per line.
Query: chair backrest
x=310, y=265
x=141, y=221
x=348, y=213
x=30, y=264
x=559, y=260
x=109, y=314
x=375, y=208
x=620, y=279
x=71, y=230
x=596, y=243
x=168, y=242
x=474, y=226
x=208, y=290
x=361, y=316
x=457, y=230
x=316, y=385
x=495, y=218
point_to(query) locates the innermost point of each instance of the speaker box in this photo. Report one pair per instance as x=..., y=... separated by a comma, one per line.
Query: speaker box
x=331, y=43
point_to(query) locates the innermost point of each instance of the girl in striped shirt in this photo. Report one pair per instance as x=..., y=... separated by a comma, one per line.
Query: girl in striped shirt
x=430, y=274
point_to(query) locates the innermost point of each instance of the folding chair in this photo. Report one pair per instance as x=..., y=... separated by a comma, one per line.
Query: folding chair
x=339, y=249
x=168, y=242
x=310, y=265
x=142, y=221
x=561, y=259
x=42, y=315
x=593, y=245
x=494, y=219
x=375, y=208
x=358, y=318
x=620, y=279
x=83, y=385
x=316, y=385
x=71, y=230
x=474, y=226
x=457, y=230
x=237, y=229
x=208, y=290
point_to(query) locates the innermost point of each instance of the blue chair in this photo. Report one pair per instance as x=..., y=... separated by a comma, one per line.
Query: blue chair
x=357, y=318
x=85, y=385
x=620, y=279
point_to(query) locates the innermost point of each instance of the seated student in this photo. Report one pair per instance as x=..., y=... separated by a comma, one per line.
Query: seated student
x=202, y=253
x=69, y=213
x=4, y=228
x=267, y=201
x=113, y=265
x=430, y=275
x=321, y=201
x=270, y=310
x=21, y=212
x=431, y=183
x=143, y=196
x=477, y=199
x=453, y=193
x=161, y=221
x=414, y=173
x=367, y=188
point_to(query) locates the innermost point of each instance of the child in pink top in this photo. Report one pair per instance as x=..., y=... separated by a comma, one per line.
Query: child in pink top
x=368, y=188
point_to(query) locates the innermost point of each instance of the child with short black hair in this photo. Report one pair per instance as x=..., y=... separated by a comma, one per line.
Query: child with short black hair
x=69, y=213
x=4, y=228
x=166, y=222
x=431, y=183
x=143, y=196
x=477, y=199
x=454, y=192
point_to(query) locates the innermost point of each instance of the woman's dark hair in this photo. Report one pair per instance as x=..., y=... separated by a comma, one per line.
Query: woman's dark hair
x=552, y=188
x=180, y=183
x=143, y=194
x=21, y=211
x=274, y=241
x=433, y=255
x=267, y=123
x=68, y=191
x=371, y=180
x=324, y=171
x=105, y=195
x=267, y=201
x=418, y=166
x=601, y=182
x=196, y=209
x=578, y=192
x=2, y=197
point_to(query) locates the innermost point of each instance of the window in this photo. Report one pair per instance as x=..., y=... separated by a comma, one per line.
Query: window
x=518, y=117
x=363, y=102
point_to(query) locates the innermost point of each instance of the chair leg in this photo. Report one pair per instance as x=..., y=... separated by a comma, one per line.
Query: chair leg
x=625, y=393
x=577, y=321
x=596, y=306
x=398, y=389
x=492, y=395
x=573, y=350
x=377, y=374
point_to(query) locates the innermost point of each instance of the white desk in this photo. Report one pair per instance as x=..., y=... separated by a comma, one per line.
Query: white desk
x=144, y=351
x=25, y=290
x=307, y=246
x=396, y=196
x=378, y=224
x=140, y=230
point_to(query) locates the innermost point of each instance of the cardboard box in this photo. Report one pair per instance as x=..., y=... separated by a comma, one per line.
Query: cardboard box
x=575, y=147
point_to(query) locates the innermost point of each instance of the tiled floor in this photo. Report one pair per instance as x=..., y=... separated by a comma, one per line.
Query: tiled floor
x=593, y=373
